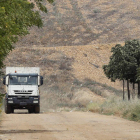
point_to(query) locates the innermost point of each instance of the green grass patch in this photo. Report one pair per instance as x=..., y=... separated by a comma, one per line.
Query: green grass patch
x=1, y=101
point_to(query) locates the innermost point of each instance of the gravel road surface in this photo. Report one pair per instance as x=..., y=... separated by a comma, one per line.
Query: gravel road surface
x=66, y=126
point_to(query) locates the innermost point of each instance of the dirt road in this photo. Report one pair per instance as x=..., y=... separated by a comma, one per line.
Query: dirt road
x=67, y=126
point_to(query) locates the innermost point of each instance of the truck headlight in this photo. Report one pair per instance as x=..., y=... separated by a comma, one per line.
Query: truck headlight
x=35, y=101
x=10, y=101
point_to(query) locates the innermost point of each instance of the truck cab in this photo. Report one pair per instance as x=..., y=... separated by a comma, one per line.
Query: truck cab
x=22, y=89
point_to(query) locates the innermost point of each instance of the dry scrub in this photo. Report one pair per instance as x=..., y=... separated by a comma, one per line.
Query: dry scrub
x=69, y=79
x=114, y=105
x=71, y=83
x=80, y=22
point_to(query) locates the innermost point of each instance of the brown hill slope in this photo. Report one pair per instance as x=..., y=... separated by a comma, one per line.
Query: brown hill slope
x=73, y=76
x=79, y=22
x=81, y=61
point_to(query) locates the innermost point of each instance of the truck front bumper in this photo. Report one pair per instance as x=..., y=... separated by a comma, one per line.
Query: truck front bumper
x=23, y=101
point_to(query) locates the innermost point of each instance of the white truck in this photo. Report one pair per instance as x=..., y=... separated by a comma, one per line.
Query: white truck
x=22, y=90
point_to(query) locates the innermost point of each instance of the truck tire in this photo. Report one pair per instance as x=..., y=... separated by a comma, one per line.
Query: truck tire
x=12, y=110
x=31, y=110
x=8, y=109
x=37, y=109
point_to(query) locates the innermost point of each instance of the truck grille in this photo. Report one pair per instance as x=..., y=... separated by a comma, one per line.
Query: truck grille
x=23, y=91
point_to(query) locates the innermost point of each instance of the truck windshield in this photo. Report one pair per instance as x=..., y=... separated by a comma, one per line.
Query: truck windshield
x=23, y=80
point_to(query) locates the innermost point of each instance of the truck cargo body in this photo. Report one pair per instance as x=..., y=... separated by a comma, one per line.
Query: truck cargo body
x=22, y=90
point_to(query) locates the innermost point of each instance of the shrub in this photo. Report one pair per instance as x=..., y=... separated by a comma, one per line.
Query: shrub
x=93, y=106
x=97, y=11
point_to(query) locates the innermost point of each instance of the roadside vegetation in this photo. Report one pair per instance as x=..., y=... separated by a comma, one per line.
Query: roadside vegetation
x=15, y=21
x=116, y=106
x=16, y=18
x=124, y=64
x=62, y=89
x=1, y=101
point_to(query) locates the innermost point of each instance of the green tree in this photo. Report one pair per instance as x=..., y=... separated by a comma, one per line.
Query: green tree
x=124, y=63
x=16, y=17
x=116, y=69
x=132, y=50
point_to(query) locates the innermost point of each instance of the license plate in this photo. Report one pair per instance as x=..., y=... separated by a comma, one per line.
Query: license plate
x=23, y=103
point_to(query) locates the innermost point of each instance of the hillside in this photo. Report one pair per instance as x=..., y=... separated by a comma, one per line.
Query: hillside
x=79, y=22
x=73, y=76
x=72, y=47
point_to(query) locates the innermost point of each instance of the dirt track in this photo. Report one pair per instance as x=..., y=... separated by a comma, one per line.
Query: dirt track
x=67, y=126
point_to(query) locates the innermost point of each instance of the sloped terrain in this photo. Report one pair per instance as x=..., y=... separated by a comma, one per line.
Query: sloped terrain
x=79, y=22
x=72, y=47
x=73, y=76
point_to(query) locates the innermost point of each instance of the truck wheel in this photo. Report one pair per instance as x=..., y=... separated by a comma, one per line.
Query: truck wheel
x=37, y=109
x=31, y=110
x=12, y=110
x=8, y=109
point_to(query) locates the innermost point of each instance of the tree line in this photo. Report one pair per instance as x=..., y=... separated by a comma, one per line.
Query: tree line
x=16, y=17
x=124, y=65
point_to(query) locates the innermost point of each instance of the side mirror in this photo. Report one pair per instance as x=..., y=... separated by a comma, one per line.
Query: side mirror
x=4, y=80
x=41, y=80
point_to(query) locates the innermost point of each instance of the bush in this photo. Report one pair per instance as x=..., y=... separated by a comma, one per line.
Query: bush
x=97, y=11
x=93, y=106
x=1, y=101
x=134, y=114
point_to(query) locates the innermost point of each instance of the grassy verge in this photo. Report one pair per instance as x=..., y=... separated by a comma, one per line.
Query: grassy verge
x=1, y=101
x=116, y=106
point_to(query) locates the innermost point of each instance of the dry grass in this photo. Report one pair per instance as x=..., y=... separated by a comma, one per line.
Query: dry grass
x=79, y=22
x=71, y=75
x=86, y=32
x=78, y=61
x=116, y=106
